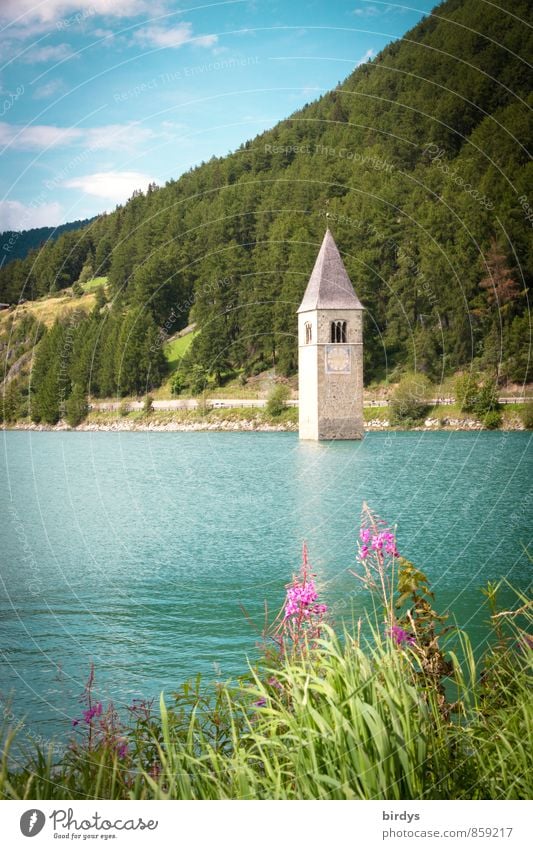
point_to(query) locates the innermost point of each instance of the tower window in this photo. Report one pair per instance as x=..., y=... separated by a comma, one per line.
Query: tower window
x=338, y=331
x=308, y=332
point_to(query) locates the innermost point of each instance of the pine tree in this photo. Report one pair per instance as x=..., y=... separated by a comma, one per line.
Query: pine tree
x=76, y=407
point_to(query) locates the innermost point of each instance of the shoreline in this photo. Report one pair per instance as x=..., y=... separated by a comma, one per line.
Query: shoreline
x=247, y=425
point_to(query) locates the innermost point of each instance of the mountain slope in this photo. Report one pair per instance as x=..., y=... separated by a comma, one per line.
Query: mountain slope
x=16, y=244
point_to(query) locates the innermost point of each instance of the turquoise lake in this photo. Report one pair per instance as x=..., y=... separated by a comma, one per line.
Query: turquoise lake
x=137, y=550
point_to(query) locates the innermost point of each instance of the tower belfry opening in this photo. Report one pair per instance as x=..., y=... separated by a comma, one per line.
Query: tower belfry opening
x=330, y=351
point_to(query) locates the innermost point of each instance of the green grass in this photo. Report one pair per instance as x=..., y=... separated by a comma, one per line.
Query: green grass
x=49, y=309
x=346, y=722
x=371, y=413
x=289, y=416
x=364, y=715
x=175, y=349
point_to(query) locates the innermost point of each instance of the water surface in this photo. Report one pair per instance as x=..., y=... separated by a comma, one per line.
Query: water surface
x=137, y=550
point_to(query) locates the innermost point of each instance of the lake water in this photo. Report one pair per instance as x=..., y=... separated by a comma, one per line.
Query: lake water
x=136, y=550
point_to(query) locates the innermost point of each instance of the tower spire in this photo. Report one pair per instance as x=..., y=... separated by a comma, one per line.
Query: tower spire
x=329, y=286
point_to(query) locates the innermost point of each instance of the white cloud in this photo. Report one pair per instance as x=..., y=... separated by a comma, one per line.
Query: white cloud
x=25, y=12
x=116, y=186
x=117, y=136
x=47, y=54
x=36, y=137
x=368, y=12
x=366, y=58
x=41, y=136
x=156, y=36
x=19, y=216
x=43, y=92
x=206, y=40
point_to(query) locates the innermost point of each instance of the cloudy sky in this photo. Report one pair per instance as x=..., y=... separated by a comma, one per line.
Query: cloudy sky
x=100, y=97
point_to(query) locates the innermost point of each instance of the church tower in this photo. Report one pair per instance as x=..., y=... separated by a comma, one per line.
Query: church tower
x=330, y=351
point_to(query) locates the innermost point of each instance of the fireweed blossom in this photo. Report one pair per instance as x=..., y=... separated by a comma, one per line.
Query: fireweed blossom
x=400, y=636
x=302, y=596
x=102, y=727
x=301, y=600
x=302, y=614
x=377, y=553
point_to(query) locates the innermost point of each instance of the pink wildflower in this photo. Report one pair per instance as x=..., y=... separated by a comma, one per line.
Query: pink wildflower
x=400, y=636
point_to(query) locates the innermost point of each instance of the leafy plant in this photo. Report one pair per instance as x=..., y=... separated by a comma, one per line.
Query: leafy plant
x=526, y=414
x=277, y=399
x=492, y=420
x=410, y=399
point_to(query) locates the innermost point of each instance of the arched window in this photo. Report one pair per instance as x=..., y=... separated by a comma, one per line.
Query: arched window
x=308, y=332
x=338, y=331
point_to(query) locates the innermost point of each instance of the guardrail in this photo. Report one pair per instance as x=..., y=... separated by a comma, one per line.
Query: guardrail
x=228, y=403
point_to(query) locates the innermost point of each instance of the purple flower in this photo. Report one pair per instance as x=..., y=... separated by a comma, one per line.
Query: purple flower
x=75, y=722
x=122, y=750
x=377, y=542
x=299, y=599
x=95, y=710
x=363, y=552
x=400, y=636
x=365, y=535
x=260, y=702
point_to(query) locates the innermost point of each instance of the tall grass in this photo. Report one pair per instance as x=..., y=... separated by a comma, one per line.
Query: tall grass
x=405, y=715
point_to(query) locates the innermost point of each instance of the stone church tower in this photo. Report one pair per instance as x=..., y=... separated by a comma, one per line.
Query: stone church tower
x=330, y=351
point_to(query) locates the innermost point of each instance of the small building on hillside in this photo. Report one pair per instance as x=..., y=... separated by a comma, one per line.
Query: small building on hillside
x=330, y=351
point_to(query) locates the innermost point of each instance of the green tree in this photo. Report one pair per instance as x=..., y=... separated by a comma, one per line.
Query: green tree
x=410, y=399
x=11, y=402
x=277, y=399
x=76, y=406
x=49, y=377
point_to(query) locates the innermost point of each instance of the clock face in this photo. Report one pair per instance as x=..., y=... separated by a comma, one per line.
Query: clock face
x=338, y=359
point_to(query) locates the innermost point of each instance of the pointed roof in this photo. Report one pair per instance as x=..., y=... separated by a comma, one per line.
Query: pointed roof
x=329, y=286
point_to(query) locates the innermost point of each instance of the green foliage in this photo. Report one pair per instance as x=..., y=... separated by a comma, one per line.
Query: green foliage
x=50, y=381
x=85, y=275
x=76, y=406
x=277, y=399
x=178, y=383
x=231, y=244
x=100, y=299
x=477, y=395
x=197, y=378
x=352, y=721
x=466, y=389
x=148, y=405
x=124, y=409
x=410, y=399
x=492, y=420
x=10, y=402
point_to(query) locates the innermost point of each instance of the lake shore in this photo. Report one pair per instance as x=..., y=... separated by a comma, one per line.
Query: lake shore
x=171, y=423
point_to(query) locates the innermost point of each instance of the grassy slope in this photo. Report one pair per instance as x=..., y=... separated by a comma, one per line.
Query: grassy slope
x=95, y=283
x=48, y=309
x=176, y=348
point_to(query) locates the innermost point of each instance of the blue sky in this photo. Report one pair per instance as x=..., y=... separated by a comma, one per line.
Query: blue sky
x=99, y=97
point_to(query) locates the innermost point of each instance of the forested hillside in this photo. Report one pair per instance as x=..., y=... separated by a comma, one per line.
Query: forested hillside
x=418, y=161
x=16, y=244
